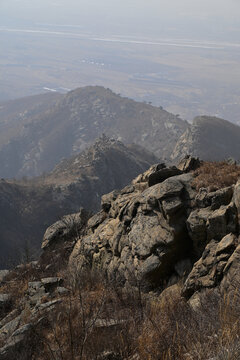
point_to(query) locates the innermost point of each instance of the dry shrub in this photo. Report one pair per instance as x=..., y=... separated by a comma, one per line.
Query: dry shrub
x=216, y=175
x=172, y=330
x=99, y=316
x=95, y=317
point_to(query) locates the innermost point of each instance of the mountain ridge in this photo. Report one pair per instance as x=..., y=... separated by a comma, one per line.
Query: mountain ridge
x=76, y=120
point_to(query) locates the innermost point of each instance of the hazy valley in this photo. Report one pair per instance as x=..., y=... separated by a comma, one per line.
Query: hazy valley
x=186, y=76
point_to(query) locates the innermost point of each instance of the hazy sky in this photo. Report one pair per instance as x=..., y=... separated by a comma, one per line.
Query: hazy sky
x=215, y=18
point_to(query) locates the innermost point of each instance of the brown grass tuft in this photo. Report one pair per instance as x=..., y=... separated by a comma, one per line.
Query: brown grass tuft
x=216, y=175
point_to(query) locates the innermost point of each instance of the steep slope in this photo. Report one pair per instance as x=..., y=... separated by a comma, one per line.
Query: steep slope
x=28, y=207
x=74, y=122
x=209, y=138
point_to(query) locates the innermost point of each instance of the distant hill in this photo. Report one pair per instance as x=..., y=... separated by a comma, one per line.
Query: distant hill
x=68, y=124
x=209, y=138
x=28, y=207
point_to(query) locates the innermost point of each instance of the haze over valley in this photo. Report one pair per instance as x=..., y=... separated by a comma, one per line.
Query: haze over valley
x=186, y=61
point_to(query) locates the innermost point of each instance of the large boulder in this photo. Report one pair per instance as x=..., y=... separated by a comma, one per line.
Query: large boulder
x=143, y=234
x=67, y=228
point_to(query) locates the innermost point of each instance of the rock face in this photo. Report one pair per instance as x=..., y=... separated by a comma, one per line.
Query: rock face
x=209, y=270
x=209, y=138
x=77, y=182
x=76, y=120
x=142, y=234
x=152, y=232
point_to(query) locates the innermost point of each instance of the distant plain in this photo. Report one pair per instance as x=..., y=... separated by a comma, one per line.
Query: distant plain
x=186, y=77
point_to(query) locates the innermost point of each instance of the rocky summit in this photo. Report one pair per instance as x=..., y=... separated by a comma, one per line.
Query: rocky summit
x=153, y=232
x=161, y=243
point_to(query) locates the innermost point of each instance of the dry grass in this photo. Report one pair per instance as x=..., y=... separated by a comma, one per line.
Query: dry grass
x=216, y=175
x=97, y=316
x=158, y=328
x=94, y=317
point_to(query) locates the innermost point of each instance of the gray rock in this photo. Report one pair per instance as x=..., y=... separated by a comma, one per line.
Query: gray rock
x=143, y=235
x=188, y=163
x=35, y=287
x=222, y=222
x=210, y=269
x=197, y=228
x=163, y=174
x=9, y=317
x=150, y=266
x=205, y=225
x=7, y=330
x=214, y=199
x=96, y=220
x=68, y=228
x=22, y=330
x=48, y=306
x=36, y=292
x=107, y=200
x=17, y=345
x=62, y=290
x=51, y=283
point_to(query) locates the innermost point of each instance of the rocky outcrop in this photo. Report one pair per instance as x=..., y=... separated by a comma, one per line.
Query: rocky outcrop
x=210, y=269
x=205, y=225
x=209, y=138
x=142, y=234
x=151, y=231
